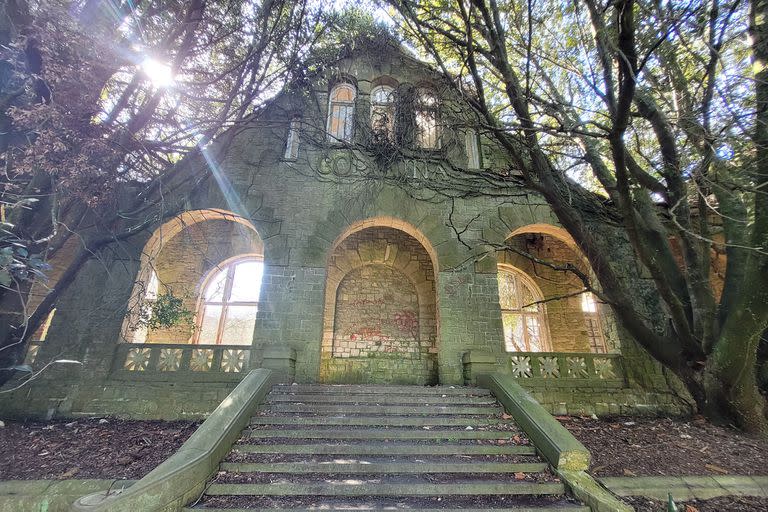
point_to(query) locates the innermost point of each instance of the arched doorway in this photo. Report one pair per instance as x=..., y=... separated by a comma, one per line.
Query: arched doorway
x=207, y=265
x=566, y=317
x=380, y=321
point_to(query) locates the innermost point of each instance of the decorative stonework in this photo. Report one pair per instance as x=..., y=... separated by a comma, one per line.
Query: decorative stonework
x=233, y=360
x=137, y=359
x=160, y=361
x=201, y=361
x=170, y=360
x=549, y=367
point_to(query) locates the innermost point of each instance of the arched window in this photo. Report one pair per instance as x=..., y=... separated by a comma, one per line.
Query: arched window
x=524, y=321
x=341, y=113
x=592, y=321
x=426, y=112
x=230, y=300
x=383, y=112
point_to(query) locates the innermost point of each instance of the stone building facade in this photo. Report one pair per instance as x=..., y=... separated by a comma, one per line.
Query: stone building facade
x=333, y=240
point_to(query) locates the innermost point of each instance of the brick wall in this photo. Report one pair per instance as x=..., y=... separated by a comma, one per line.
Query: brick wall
x=380, y=318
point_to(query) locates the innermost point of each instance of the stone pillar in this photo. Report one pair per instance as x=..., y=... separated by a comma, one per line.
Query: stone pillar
x=477, y=363
x=281, y=360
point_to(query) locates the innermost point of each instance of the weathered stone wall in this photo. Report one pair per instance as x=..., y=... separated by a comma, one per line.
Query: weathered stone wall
x=301, y=210
x=377, y=312
x=380, y=317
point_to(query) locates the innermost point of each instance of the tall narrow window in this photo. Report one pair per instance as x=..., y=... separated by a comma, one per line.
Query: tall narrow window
x=592, y=322
x=42, y=332
x=37, y=338
x=292, y=142
x=151, y=291
x=473, y=149
x=426, y=113
x=341, y=113
x=383, y=112
x=230, y=301
x=523, y=319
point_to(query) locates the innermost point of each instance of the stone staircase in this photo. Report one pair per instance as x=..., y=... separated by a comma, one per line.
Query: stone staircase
x=355, y=447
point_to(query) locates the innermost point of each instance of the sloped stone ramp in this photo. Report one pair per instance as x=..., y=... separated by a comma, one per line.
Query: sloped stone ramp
x=323, y=447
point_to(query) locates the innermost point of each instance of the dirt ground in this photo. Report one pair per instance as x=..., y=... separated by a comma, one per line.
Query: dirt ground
x=128, y=449
x=88, y=448
x=728, y=504
x=660, y=446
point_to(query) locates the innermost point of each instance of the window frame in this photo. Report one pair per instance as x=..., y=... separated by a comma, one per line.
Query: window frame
x=293, y=140
x=595, y=337
x=346, y=106
x=389, y=106
x=521, y=278
x=432, y=111
x=473, y=149
x=229, y=267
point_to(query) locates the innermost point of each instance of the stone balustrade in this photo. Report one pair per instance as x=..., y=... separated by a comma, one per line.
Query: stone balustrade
x=571, y=369
x=156, y=361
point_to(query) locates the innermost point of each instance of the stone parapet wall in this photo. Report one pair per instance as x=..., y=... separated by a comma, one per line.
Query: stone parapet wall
x=168, y=400
x=585, y=401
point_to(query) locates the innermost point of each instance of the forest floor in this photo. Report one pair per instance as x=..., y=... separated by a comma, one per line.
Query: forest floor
x=110, y=448
x=624, y=446
x=88, y=448
x=628, y=447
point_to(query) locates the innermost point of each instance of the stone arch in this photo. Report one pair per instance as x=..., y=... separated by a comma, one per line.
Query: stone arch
x=547, y=229
x=532, y=320
x=380, y=322
x=390, y=208
x=388, y=222
x=572, y=326
x=179, y=255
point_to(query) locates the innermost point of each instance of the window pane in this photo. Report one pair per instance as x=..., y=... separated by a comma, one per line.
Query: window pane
x=153, y=286
x=344, y=93
x=340, y=122
x=473, y=150
x=383, y=120
x=507, y=291
x=292, y=143
x=513, y=332
x=239, y=325
x=247, y=281
x=527, y=297
x=427, y=98
x=426, y=133
x=534, y=334
x=382, y=94
x=214, y=291
x=210, y=324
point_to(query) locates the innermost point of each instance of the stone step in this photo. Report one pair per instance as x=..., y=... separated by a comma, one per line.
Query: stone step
x=564, y=507
x=382, y=409
x=354, y=488
x=386, y=449
x=373, y=421
x=351, y=389
x=385, y=468
x=380, y=399
x=359, y=447
x=489, y=503
x=379, y=434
